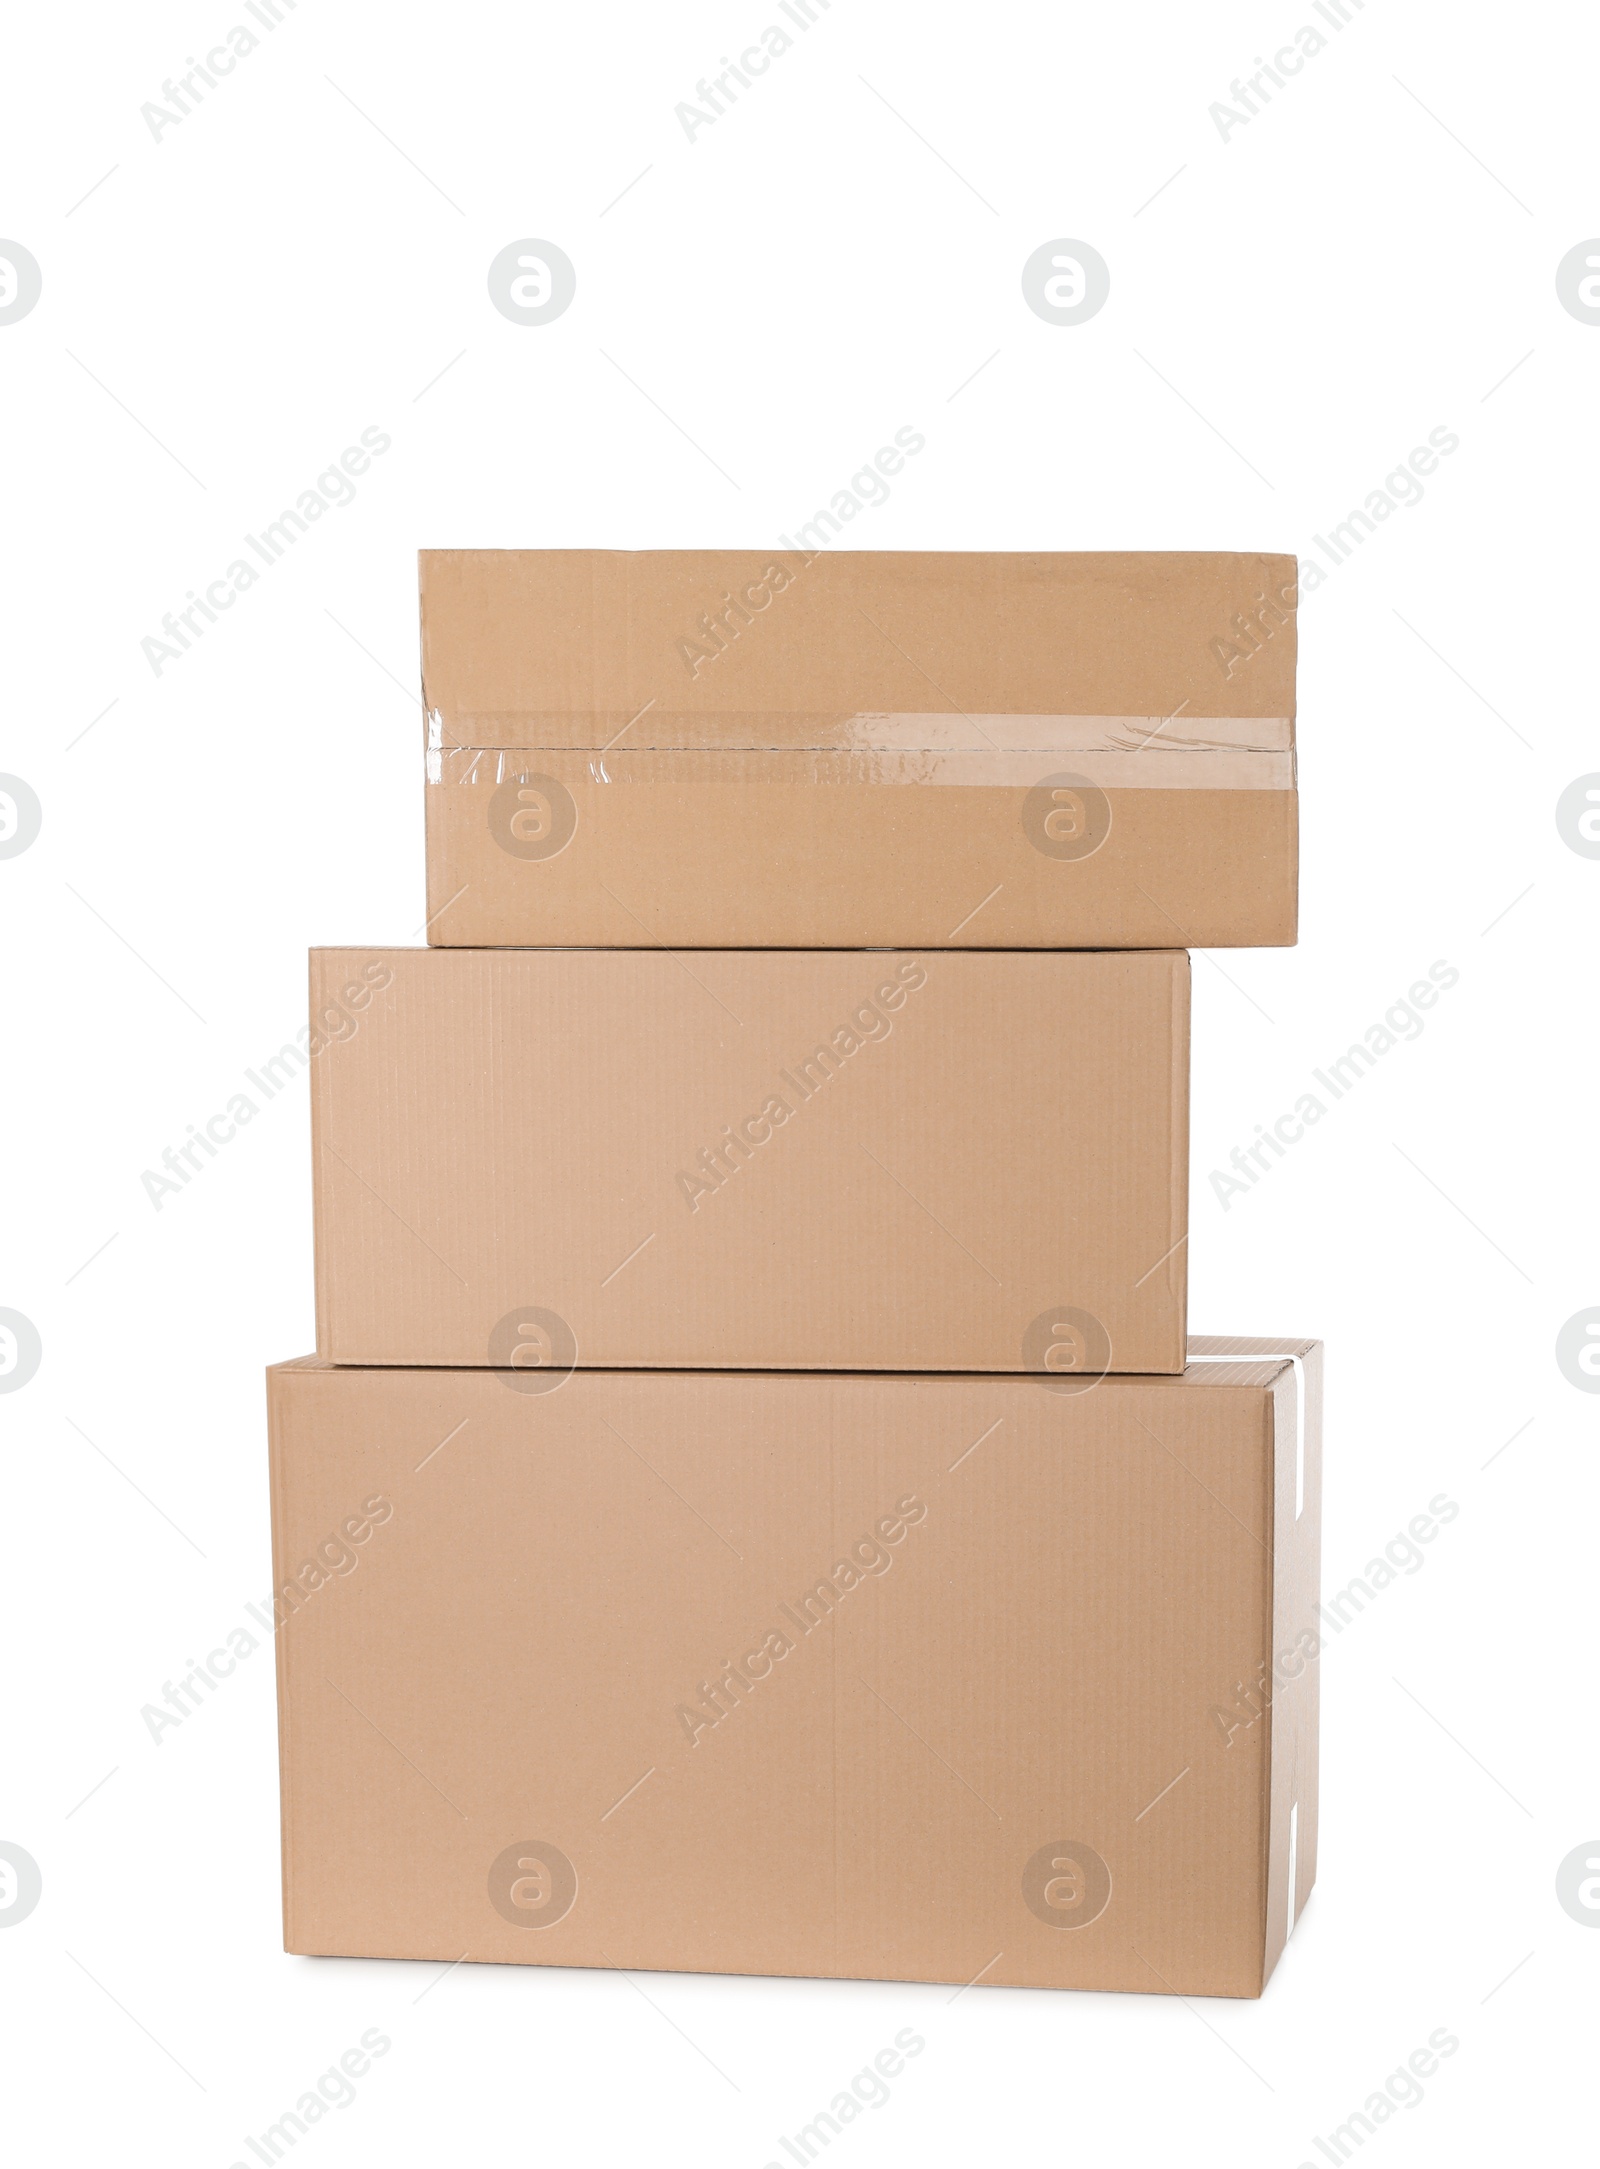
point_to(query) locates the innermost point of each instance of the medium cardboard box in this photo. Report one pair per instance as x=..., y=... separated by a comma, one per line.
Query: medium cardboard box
x=964, y=1679
x=819, y=1160
x=737, y=748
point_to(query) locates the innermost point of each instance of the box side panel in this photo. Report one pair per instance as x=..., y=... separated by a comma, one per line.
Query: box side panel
x=813, y=1160
x=727, y=1674
x=780, y=851
x=572, y=648
x=1294, y=1716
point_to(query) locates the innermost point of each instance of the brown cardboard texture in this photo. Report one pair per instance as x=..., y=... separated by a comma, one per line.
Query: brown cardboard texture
x=937, y=1679
x=803, y=749
x=812, y=1160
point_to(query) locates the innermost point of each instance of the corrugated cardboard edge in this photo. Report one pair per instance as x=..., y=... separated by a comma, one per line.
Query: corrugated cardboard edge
x=319, y=1233
x=1177, y=1264
x=1290, y=1767
x=279, y=1399
x=1292, y=816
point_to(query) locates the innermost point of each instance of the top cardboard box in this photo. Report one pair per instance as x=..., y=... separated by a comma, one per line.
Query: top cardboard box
x=783, y=749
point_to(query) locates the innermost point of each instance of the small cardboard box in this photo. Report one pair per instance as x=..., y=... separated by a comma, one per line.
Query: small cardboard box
x=964, y=1679
x=817, y=1160
x=725, y=748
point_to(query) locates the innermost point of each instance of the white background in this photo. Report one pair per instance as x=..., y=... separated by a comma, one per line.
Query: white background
x=1371, y=257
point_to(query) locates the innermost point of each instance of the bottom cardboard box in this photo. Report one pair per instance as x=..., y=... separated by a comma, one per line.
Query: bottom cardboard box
x=932, y=1678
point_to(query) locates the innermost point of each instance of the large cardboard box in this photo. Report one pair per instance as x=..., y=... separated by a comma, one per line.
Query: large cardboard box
x=814, y=1160
x=786, y=748
x=964, y=1679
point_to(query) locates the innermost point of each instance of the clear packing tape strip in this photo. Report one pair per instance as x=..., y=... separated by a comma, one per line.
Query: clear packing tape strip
x=1215, y=753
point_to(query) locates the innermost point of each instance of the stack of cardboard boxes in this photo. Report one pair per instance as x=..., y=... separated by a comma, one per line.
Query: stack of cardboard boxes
x=755, y=1507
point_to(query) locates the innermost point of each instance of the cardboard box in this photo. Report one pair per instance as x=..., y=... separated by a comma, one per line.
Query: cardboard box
x=939, y=1679
x=816, y=1160
x=745, y=748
